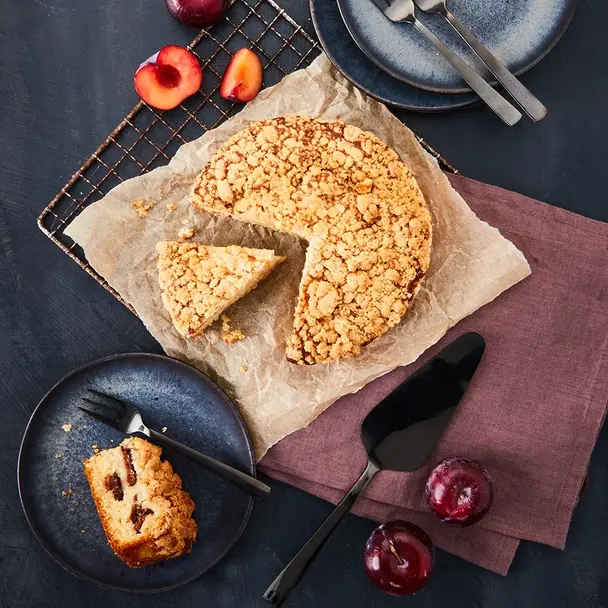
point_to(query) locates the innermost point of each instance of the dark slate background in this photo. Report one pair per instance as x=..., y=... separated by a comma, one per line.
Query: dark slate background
x=66, y=70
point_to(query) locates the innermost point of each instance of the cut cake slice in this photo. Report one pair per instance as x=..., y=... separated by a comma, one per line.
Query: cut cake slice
x=146, y=515
x=198, y=282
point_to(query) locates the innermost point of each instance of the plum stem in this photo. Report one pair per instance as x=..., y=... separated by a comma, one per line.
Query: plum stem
x=399, y=559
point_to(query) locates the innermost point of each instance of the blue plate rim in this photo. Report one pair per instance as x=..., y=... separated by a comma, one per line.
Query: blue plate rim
x=435, y=109
x=456, y=90
x=366, y=90
x=45, y=544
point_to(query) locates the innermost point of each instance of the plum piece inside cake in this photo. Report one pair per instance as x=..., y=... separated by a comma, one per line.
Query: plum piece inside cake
x=146, y=515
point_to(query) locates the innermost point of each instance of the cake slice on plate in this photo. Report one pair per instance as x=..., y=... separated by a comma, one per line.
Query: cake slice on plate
x=146, y=515
x=198, y=282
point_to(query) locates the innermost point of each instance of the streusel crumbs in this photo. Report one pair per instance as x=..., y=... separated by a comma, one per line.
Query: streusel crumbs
x=141, y=207
x=230, y=336
x=186, y=233
x=198, y=282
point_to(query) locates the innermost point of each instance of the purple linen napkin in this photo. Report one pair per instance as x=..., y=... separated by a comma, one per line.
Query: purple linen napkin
x=532, y=412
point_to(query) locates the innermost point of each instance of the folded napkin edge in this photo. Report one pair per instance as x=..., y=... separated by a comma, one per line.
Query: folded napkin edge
x=538, y=208
x=587, y=438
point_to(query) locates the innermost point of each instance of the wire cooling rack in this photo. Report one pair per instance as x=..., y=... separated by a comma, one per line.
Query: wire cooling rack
x=147, y=138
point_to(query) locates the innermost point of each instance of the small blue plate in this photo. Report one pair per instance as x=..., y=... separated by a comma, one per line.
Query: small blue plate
x=355, y=66
x=519, y=32
x=169, y=393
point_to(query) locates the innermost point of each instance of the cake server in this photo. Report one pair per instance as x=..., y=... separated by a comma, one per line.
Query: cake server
x=527, y=101
x=399, y=434
x=403, y=11
x=126, y=417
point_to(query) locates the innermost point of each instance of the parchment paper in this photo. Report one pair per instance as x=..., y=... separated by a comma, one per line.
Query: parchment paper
x=471, y=264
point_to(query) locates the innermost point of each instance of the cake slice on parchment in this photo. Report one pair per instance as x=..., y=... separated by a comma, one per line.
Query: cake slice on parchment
x=146, y=515
x=198, y=282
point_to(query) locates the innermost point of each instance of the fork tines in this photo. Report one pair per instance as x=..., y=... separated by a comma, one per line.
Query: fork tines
x=106, y=401
x=110, y=421
x=105, y=409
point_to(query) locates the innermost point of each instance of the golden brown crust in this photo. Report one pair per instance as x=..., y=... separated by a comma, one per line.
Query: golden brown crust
x=359, y=206
x=199, y=282
x=146, y=515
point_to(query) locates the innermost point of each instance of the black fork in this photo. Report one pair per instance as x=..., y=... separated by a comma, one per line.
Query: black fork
x=125, y=417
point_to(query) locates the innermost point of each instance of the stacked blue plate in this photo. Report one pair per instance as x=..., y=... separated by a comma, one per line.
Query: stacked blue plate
x=395, y=64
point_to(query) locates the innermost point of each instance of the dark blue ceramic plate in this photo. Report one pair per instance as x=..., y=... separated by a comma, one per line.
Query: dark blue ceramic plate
x=354, y=65
x=169, y=393
x=519, y=32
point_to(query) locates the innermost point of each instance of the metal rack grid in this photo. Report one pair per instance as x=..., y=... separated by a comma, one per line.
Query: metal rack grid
x=147, y=138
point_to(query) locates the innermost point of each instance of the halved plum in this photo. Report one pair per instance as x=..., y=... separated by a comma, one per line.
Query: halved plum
x=168, y=77
x=242, y=79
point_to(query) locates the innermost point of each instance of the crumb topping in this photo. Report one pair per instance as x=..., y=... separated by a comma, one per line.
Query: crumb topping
x=360, y=208
x=230, y=336
x=141, y=207
x=186, y=233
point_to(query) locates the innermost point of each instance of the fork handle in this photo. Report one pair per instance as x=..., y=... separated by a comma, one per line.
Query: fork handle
x=245, y=482
x=528, y=102
x=493, y=98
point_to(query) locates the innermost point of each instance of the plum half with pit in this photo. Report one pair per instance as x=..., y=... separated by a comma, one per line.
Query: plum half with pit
x=399, y=557
x=164, y=80
x=459, y=491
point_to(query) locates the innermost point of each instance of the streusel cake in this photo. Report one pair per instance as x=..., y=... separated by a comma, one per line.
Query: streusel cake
x=146, y=515
x=360, y=208
x=198, y=282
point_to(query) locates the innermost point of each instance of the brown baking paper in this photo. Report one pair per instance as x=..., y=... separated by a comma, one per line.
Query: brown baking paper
x=471, y=264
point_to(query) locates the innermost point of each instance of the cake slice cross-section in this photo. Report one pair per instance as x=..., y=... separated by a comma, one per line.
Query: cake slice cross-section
x=146, y=515
x=198, y=282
